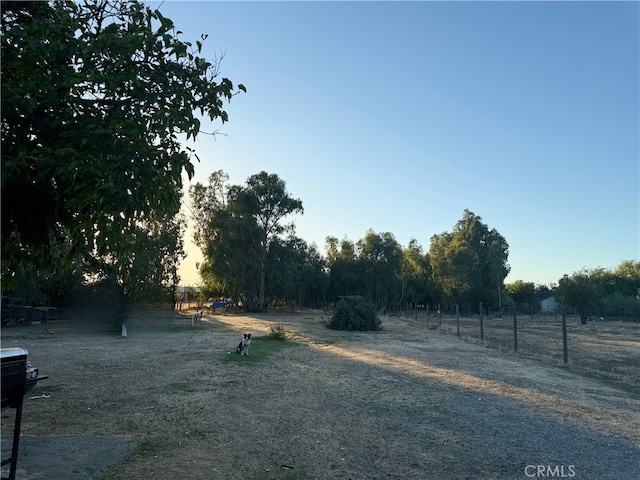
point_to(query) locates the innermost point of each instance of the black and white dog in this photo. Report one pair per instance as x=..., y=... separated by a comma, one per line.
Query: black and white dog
x=243, y=347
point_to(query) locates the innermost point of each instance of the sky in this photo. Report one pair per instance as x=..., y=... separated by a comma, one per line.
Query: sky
x=398, y=116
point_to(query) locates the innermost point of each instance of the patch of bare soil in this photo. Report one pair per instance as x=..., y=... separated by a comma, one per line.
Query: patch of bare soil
x=406, y=402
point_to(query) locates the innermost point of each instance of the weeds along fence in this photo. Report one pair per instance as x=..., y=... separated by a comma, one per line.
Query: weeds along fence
x=609, y=350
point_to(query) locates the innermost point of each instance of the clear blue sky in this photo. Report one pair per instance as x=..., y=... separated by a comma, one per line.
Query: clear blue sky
x=398, y=116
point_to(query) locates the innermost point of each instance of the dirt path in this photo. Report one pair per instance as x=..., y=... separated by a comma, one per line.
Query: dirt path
x=402, y=403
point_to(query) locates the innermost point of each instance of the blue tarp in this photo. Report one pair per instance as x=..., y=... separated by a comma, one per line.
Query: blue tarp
x=221, y=304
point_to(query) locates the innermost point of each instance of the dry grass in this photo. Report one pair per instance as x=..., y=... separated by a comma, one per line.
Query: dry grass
x=608, y=351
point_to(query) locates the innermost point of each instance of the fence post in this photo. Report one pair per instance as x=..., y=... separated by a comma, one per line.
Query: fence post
x=481, y=324
x=565, y=349
x=458, y=318
x=515, y=331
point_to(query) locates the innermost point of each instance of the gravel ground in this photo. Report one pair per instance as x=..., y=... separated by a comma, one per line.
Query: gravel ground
x=404, y=403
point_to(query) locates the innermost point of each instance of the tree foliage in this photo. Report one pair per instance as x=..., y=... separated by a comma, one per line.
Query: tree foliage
x=295, y=273
x=602, y=292
x=379, y=269
x=264, y=200
x=95, y=97
x=148, y=270
x=470, y=263
x=241, y=233
x=341, y=260
x=380, y=261
x=521, y=292
x=465, y=266
x=416, y=275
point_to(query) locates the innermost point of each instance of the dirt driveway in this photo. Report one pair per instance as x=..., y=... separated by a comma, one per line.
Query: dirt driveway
x=167, y=402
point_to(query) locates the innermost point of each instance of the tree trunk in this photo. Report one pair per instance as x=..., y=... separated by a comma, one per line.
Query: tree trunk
x=262, y=274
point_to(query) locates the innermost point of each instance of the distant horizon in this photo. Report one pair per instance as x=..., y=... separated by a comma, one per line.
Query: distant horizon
x=397, y=116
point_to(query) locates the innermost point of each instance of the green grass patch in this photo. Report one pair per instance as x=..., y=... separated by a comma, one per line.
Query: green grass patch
x=260, y=349
x=277, y=332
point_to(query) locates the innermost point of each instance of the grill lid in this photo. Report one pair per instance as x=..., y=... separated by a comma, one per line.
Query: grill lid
x=13, y=353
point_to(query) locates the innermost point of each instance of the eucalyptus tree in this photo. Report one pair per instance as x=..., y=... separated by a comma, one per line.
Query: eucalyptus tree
x=380, y=257
x=315, y=278
x=415, y=274
x=344, y=270
x=95, y=98
x=470, y=263
x=265, y=199
x=236, y=227
x=228, y=240
x=296, y=273
x=369, y=267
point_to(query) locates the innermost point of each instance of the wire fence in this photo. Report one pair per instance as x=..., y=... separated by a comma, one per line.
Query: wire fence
x=607, y=350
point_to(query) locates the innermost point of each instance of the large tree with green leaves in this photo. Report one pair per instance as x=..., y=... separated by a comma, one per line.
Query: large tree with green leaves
x=96, y=96
x=380, y=259
x=236, y=226
x=415, y=275
x=343, y=268
x=295, y=272
x=265, y=199
x=470, y=263
x=228, y=239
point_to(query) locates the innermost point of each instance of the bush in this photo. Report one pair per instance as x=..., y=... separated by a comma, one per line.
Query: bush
x=354, y=313
x=277, y=332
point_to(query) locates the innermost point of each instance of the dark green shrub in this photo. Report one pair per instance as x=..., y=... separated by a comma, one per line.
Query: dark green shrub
x=354, y=313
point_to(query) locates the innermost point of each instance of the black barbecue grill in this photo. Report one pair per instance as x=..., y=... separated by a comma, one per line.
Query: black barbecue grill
x=18, y=378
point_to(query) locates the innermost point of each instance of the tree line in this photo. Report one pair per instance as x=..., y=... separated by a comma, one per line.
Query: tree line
x=253, y=256
x=588, y=293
